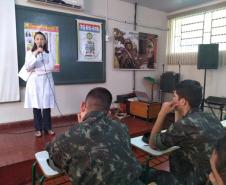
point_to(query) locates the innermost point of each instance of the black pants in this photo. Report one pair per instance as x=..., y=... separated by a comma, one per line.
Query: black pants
x=158, y=176
x=42, y=119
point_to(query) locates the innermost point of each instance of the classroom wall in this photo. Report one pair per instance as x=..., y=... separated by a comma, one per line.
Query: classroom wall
x=215, y=79
x=69, y=97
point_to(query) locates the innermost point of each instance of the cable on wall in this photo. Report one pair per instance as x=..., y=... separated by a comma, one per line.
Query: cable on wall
x=124, y=21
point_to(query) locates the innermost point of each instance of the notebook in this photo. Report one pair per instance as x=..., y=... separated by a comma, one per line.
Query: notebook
x=142, y=96
x=24, y=74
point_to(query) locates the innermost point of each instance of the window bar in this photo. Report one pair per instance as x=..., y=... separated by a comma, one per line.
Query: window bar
x=211, y=33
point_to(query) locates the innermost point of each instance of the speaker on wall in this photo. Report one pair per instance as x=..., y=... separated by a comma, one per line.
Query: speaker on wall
x=208, y=56
x=168, y=81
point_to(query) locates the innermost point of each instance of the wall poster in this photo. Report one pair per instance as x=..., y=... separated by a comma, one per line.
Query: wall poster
x=134, y=50
x=52, y=36
x=89, y=41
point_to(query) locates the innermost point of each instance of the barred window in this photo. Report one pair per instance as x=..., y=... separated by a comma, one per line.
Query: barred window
x=186, y=33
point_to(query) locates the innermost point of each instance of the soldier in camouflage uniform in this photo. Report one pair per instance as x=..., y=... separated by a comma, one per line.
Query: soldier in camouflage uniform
x=218, y=163
x=96, y=151
x=195, y=132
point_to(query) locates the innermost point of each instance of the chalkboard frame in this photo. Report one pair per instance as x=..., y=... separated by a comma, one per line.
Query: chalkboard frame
x=72, y=71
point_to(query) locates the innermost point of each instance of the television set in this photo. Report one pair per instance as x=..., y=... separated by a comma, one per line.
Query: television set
x=208, y=56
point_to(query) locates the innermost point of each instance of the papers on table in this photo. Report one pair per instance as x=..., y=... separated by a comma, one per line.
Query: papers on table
x=133, y=99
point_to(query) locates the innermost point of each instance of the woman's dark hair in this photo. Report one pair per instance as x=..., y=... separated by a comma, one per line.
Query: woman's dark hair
x=221, y=158
x=190, y=90
x=45, y=47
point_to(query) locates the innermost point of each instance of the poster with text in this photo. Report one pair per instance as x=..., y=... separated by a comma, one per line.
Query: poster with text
x=52, y=37
x=89, y=41
x=134, y=50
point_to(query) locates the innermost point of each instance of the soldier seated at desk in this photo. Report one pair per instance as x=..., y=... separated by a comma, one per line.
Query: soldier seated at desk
x=96, y=151
x=218, y=163
x=195, y=132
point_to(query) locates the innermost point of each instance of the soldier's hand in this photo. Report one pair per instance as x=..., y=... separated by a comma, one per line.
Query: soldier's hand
x=167, y=107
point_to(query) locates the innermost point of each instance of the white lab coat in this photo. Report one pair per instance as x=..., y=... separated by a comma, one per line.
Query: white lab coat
x=39, y=91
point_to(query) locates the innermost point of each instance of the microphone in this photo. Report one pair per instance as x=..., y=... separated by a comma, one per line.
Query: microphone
x=41, y=52
x=40, y=46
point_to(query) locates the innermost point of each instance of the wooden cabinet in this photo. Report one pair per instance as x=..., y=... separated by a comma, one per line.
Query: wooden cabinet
x=145, y=110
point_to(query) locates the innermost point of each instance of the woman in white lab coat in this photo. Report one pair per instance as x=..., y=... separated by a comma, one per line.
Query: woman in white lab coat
x=39, y=93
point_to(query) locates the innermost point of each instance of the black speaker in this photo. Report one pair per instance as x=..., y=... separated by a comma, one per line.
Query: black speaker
x=168, y=81
x=208, y=56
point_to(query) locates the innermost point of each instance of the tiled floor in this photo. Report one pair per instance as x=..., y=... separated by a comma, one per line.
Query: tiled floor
x=18, y=146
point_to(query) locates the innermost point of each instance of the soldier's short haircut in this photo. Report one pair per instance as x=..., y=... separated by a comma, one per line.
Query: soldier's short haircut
x=221, y=158
x=190, y=90
x=100, y=97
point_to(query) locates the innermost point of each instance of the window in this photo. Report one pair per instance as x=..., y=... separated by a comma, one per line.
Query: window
x=187, y=32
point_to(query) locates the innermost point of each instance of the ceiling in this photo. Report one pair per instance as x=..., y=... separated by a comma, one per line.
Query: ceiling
x=169, y=6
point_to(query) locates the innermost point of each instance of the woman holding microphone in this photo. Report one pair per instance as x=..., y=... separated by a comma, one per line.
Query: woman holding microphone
x=39, y=93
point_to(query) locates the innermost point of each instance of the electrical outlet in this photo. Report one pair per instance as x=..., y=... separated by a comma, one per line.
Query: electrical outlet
x=107, y=38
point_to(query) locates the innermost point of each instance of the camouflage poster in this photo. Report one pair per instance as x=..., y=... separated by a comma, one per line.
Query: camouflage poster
x=134, y=50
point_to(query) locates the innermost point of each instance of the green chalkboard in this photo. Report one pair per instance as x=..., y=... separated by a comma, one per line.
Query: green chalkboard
x=71, y=71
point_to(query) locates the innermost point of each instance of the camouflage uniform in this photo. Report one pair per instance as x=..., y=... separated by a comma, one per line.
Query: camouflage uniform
x=96, y=152
x=196, y=134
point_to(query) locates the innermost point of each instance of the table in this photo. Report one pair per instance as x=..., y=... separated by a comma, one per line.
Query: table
x=218, y=102
x=144, y=109
x=138, y=143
